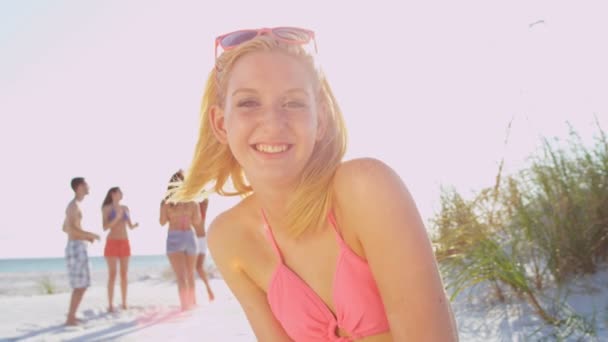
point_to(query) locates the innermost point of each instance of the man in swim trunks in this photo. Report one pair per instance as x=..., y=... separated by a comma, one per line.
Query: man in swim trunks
x=76, y=256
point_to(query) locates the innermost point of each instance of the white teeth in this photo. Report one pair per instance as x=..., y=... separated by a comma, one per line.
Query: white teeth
x=271, y=148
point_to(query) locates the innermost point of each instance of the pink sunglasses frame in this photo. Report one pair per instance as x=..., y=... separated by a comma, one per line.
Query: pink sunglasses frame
x=269, y=31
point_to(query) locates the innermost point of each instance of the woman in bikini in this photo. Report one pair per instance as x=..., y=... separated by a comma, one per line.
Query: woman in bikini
x=318, y=249
x=116, y=219
x=182, y=249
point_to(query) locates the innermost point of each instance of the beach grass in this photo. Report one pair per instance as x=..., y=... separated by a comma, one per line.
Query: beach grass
x=47, y=285
x=544, y=225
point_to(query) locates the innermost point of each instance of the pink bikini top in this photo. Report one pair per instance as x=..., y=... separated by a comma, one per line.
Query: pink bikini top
x=303, y=314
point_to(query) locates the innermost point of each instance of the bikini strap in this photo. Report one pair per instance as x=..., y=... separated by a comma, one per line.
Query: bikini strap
x=334, y=224
x=271, y=236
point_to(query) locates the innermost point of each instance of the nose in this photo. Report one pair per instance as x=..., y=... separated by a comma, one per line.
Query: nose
x=275, y=117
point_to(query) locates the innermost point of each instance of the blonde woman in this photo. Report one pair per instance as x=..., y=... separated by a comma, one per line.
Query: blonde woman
x=318, y=249
x=182, y=249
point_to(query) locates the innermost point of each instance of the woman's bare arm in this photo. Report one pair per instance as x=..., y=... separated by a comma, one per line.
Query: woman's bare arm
x=129, y=222
x=377, y=206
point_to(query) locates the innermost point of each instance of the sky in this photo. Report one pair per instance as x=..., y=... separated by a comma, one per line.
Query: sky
x=111, y=90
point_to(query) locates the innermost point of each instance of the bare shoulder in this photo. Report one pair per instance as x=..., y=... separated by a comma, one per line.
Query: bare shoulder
x=228, y=231
x=106, y=208
x=366, y=191
x=376, y=207
x=218, y=233
x=72, y=208
x=71, y=205
x=363, y=176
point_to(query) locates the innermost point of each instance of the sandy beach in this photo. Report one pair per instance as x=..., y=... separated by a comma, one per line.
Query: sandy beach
x=154, y=315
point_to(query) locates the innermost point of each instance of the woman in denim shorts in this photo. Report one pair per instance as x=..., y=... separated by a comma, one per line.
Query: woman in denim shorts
x=181, y=242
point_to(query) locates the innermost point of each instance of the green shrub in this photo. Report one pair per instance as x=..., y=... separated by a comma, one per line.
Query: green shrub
x=47, y=285
x=548, y=222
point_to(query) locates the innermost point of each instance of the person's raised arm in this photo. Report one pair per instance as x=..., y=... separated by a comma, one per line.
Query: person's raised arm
x=222, y=245
x=375, y=204
x=129, y=222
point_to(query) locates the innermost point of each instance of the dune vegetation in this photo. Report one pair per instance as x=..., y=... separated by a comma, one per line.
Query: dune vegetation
x=532, y=231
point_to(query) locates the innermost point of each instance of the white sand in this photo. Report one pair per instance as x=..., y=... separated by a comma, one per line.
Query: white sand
x=154, y=315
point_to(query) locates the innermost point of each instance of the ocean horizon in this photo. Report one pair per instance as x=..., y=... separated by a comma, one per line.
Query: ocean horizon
x=30, y=276
x=57, y=264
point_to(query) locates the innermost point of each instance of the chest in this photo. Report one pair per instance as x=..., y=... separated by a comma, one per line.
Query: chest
x=313, y=261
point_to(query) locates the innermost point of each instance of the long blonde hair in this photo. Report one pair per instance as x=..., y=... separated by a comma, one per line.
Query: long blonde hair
x=213, y=161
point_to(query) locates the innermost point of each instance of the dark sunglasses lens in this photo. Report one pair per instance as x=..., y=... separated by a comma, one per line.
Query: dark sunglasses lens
x=237, y=38
x=293, y=34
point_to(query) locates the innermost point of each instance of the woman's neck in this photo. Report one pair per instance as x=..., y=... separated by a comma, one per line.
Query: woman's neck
x=273, y=201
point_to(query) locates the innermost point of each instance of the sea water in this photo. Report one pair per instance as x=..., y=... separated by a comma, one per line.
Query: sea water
x=33, y=276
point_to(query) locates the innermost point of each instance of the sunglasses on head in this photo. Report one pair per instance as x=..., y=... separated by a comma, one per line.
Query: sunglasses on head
x=290, y=35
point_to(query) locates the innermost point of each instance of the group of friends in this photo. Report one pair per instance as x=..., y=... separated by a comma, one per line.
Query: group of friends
x=185, y=246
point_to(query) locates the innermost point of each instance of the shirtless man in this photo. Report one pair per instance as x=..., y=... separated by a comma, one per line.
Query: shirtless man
x=76, y=255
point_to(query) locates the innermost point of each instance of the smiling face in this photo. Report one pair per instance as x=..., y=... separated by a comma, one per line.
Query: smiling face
x=269, y=117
